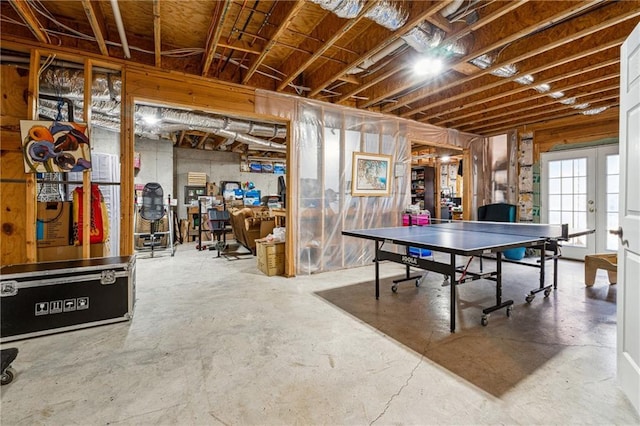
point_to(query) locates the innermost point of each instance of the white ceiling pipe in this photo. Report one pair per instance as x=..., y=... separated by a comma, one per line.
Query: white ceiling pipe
x=451, y=8
x=378, y=56
x=120, y=26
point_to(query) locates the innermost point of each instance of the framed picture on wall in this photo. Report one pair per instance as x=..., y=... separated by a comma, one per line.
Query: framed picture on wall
x=371, y=174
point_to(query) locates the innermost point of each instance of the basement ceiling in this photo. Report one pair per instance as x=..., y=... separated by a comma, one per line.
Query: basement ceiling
x=505, y=64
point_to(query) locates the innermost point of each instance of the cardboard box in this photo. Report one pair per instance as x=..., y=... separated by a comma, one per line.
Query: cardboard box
x=53, y=227
x=49, y=254
x=270, y=257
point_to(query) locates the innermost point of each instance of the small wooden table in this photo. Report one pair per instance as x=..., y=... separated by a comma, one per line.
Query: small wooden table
x=593, y=262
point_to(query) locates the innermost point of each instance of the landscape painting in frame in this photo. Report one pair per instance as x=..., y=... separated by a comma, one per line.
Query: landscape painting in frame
x=371, y=174
x=55, y=146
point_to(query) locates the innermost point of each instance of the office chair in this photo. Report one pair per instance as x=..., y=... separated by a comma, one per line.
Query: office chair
x=153, y=210
x=218, y=226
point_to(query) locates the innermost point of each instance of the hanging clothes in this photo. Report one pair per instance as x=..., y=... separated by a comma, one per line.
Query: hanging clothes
x=99, y=226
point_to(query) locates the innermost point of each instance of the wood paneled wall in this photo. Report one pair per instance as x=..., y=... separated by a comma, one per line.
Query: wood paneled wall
x=13, y=201
x=573, y=130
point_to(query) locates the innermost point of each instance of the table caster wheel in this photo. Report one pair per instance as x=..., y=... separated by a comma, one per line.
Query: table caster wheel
x=484, y=321
x=445, y=283
x=529, y=298
x=418, y=282
x=7, y=376
x=509, y=309
x=547, y=292
x=394, y=288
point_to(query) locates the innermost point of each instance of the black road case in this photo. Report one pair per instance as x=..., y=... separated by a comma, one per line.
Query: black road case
x=51, y=297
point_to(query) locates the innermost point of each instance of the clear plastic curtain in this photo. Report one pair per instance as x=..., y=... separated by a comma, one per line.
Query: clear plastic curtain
x=323, y=139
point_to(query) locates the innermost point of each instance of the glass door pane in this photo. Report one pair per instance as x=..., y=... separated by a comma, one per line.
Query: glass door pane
x=612, y=164
x=567, y=199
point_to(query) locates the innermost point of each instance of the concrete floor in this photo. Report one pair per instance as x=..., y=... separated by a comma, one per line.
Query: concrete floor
x=216, y=342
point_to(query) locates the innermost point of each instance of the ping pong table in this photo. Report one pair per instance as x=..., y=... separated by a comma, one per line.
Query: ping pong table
x=467, y=238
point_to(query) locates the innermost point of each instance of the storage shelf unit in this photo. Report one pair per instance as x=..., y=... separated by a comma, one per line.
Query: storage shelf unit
x=422, y=187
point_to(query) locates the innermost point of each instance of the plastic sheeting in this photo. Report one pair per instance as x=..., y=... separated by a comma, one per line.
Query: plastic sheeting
x=323, y=140
x=494, y=171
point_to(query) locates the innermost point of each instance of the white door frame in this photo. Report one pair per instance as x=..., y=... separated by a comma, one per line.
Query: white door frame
x=590, y=154
x=628, y=295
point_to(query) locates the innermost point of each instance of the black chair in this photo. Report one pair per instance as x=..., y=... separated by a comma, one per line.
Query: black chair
x=498, y=212
x=218, y=226
x=154, y=210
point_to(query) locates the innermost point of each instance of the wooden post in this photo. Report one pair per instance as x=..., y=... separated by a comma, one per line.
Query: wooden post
x=31, y=186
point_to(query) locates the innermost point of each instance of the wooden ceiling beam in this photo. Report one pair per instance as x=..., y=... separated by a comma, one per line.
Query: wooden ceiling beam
x=284, y=25
x=215, y=30
x=551, y=105
x=240, y=46
x=180, y=141
x=434, y=8
x=610, y=41
x=96, y=20
x=337, y=35
x=534, y=119
x=455, y=121
x=440, y=22
x=564, y=121
x=157, y=34
x=202, y=140
x=498, y=41
x=484, y=97
x=548, y=65
x=29, y=18
x=452, y=38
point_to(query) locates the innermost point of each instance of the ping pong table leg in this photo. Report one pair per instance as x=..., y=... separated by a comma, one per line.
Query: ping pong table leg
x=499, y=303
x=555, y=264
x=543, y=256
x=542, y=287
x=377, y=270
x=452, y=286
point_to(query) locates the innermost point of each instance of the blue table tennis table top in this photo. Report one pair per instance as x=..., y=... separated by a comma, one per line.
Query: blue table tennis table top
x=467, y=237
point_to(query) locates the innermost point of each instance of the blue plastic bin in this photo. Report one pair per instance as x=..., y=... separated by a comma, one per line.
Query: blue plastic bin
x=419, y=252
x=514, y=253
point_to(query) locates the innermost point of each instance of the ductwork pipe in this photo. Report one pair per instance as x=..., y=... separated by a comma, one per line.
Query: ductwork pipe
x=120, y=26
x=249, y=139
x=191, y=119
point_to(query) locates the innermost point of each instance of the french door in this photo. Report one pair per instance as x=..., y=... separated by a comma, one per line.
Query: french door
x=579, y=187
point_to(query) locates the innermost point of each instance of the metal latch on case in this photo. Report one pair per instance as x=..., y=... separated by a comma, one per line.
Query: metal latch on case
x=108, y=277
x=8, y=288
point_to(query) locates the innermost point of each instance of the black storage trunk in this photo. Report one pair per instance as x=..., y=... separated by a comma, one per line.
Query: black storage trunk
x=51, y=297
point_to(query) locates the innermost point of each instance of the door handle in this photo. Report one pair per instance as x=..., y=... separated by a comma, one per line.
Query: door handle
x=620, y=234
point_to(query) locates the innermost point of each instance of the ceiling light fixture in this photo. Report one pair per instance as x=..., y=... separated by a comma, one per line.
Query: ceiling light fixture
x=428, y=66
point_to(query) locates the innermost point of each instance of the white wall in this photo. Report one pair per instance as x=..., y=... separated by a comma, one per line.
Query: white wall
x=156, y=163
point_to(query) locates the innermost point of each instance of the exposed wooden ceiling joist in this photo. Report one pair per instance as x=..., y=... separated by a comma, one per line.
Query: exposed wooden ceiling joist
x=97, y=21
x=29, y=18
x=302, y=47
